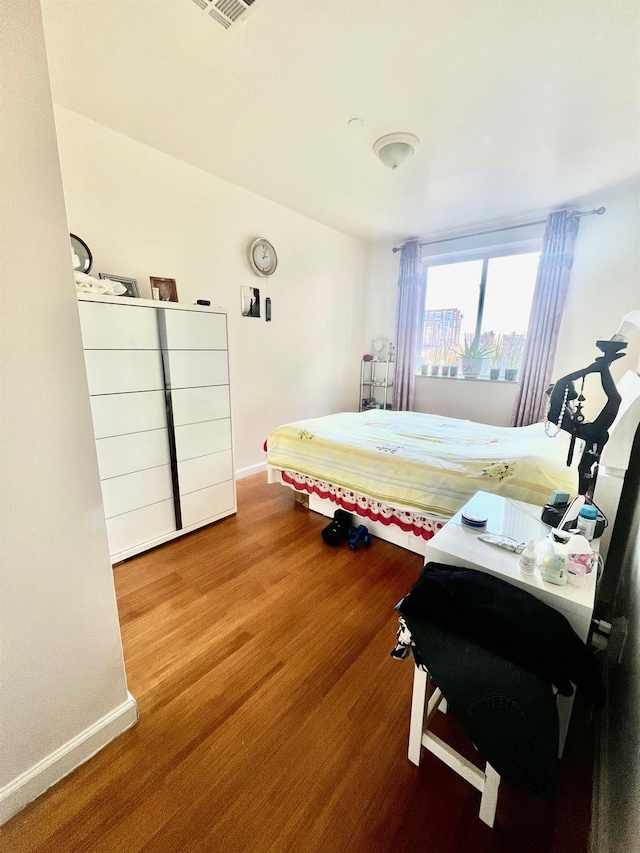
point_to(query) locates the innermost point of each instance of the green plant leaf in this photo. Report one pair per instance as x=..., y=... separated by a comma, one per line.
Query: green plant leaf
x=474, y=348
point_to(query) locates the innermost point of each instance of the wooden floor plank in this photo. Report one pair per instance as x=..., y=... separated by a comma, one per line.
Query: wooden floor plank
x=272, y=719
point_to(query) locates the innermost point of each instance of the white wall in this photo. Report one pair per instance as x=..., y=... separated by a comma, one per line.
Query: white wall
x=605, y=285
x=475, y=400
x=605, y=281
x=144, y=213
x=63, y=683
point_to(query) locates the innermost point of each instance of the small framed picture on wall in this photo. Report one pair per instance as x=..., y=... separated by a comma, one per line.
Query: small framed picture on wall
x=163, y=289
x=250, y=301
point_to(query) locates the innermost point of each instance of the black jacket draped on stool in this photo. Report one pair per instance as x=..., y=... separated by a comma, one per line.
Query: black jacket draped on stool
x=495, y=651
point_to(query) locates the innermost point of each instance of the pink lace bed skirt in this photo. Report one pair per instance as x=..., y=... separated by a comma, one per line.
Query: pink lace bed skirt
x=420, y=524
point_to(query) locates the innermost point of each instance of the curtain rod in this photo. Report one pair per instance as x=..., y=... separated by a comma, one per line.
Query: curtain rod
x=597, y=212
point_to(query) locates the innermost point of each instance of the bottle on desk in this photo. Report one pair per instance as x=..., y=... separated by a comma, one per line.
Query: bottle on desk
x=528, y=558
x=555, y=557
x=586, y=521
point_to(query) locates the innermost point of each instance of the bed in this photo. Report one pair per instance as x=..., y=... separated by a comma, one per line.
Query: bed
x=406, y=473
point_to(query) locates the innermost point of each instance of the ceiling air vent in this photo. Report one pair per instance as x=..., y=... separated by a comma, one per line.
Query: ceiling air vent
x=225, y=12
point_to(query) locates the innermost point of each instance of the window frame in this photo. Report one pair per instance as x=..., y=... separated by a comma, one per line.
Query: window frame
x=485, y=254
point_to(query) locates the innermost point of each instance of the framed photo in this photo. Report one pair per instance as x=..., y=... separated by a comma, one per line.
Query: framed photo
x=250, y=301
x=130, y=283
x=163, y=289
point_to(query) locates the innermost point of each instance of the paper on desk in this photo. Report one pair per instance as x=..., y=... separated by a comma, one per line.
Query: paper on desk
x=516, y=523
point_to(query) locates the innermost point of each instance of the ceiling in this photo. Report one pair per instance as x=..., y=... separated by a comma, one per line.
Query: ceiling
x=520, y=105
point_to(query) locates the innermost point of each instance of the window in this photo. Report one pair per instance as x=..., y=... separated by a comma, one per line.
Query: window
x=488, y=296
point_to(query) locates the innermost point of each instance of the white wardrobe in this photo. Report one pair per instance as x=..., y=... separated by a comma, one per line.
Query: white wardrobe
x=158, y=376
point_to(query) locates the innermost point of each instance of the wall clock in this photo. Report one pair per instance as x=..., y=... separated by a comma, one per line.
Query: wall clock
x=262, y=257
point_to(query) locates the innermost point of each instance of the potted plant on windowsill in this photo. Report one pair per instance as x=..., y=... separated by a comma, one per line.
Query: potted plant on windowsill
x=449, y=366
x=514, y=350
x=435, y=362
x=497, y=357
x=473, y=353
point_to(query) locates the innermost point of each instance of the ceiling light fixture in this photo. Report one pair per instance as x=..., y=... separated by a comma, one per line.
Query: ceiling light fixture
x=394, y=149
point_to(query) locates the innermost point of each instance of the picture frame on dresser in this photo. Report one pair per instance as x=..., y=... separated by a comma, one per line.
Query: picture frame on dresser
x=163, y=289
x=130, y=284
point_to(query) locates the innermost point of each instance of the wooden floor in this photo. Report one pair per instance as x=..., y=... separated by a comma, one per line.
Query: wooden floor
x=272, y=718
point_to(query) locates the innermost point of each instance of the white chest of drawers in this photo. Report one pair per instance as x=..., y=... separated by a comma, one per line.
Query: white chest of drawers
x=158, y=376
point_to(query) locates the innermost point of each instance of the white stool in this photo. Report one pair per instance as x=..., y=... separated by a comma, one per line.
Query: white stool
x=421, y=715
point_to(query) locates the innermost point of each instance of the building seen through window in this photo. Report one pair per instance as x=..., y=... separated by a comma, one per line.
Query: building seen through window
x=486, y=298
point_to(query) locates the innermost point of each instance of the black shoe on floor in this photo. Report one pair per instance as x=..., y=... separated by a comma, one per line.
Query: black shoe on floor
x=338, y=531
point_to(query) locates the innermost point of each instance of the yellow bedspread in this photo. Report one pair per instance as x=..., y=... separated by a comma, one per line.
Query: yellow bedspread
x=424, y=462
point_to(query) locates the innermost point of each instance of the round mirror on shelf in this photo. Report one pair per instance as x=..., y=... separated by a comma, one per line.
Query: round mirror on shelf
x=82, y=257
x=380, y=348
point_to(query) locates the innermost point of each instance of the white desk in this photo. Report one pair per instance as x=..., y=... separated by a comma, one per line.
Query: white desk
x=455, y=545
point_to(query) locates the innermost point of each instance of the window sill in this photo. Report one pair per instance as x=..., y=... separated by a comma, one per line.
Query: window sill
x=465, y=379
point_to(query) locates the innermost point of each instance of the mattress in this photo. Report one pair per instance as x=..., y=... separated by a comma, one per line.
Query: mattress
x=424, y=462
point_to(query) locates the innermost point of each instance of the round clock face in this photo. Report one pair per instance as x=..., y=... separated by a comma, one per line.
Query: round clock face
x=262, y=257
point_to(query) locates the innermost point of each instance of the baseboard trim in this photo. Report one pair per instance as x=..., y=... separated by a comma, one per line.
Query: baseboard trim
x=39, y=778
x=250, y=470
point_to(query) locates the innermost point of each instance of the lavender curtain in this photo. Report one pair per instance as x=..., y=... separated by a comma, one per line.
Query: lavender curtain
x=554, y=271
x=408, y=324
